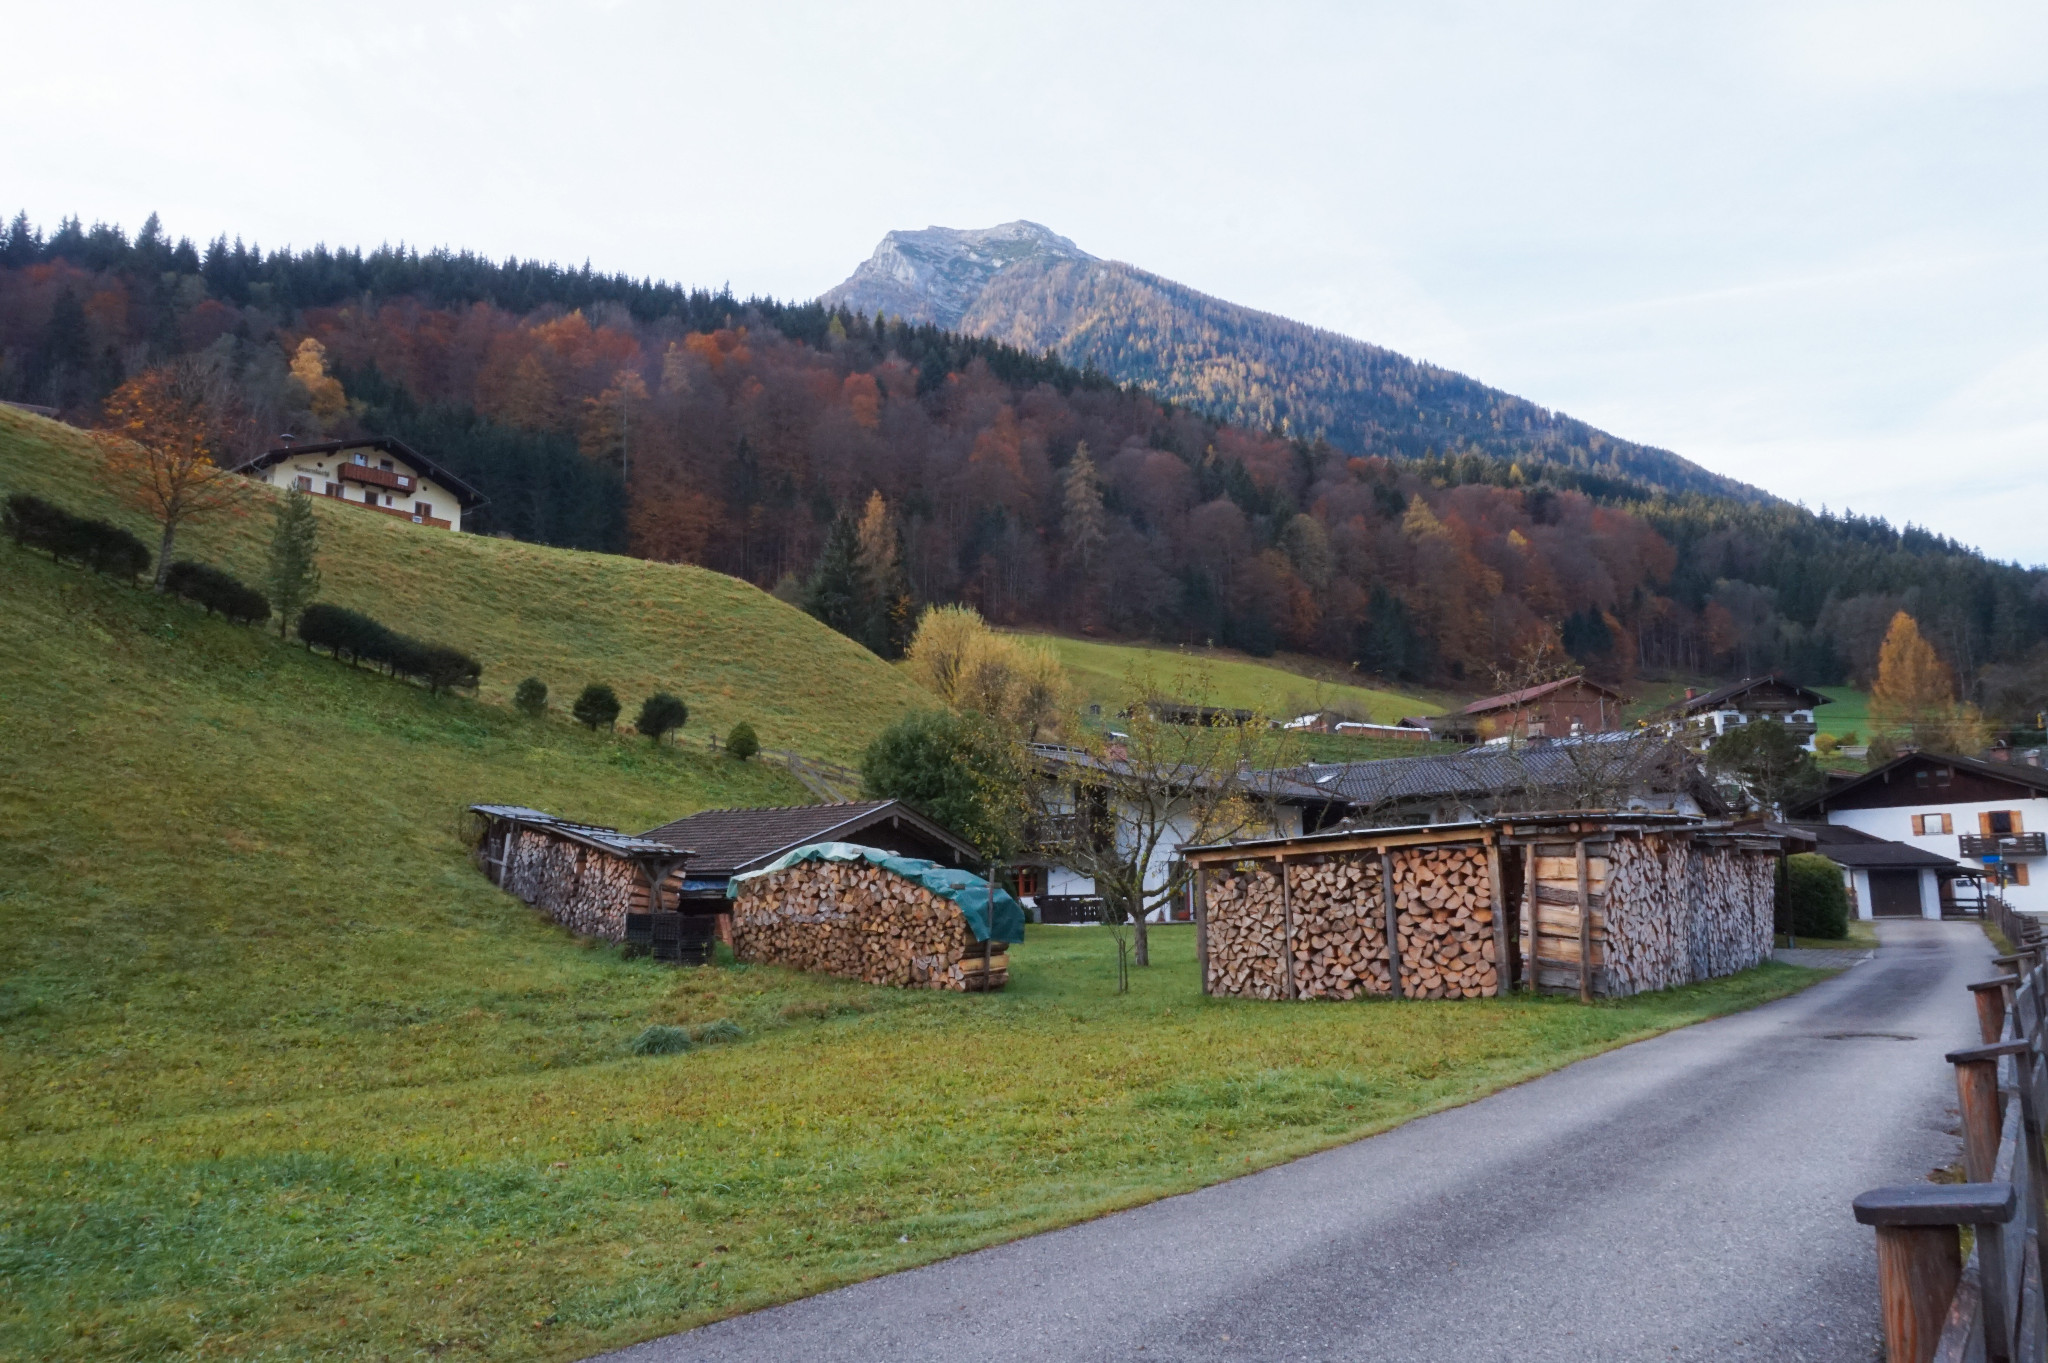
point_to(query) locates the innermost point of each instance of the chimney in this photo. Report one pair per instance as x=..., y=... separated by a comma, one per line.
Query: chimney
x=287, y=440
x=1692, y=693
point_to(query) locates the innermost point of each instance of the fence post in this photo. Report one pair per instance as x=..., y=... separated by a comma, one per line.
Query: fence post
x=1990, y=1000
x=1919, y=1257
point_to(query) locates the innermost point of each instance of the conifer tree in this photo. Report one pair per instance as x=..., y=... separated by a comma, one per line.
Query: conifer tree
x=835, y=594
x=1082, y=518
x=294, y=573
x=885, y=587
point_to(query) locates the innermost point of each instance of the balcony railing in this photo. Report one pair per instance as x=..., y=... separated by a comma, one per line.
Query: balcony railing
x=2005, y=844
x=363, y=473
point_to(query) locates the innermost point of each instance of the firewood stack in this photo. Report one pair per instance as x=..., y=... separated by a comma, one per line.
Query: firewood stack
x=855, y=919
x=1734, y=893
x=1244, y=932
x=579, y=887
x=1340, y=928
x=1445, y=900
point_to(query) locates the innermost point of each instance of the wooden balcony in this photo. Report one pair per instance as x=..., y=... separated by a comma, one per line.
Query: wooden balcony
x=404, y=514
x=2005, y=844
x=385, y=478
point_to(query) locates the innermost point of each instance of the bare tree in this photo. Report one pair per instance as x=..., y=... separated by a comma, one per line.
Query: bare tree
x=1113, y=804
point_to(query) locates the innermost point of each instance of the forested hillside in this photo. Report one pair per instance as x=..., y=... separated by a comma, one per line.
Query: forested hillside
x=627, y=415
x=1028, y=287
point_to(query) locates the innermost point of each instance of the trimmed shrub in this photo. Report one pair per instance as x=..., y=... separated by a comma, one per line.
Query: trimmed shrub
x=660, y=713
x=531, y=699
x=356, y=637
x=741, y=743
x=220, y=593
x=661, y=1039
x=598, y=704
x=725, y=1029
x=36, y=524
x=1816, y=901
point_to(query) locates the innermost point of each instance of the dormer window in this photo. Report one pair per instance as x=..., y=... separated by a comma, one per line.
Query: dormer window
x=384, y=464
x=1941, y=775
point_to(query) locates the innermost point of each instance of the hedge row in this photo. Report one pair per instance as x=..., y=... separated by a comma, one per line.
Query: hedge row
x=105, y=548
x=207, y=586
x=356, y=638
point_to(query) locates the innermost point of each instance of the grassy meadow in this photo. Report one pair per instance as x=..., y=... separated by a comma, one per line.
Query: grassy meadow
x=1280, y=687
x=282, y=1076
x=731, y=651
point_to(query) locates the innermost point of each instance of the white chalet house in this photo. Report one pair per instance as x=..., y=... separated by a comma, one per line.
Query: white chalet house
x=383, y=475
x=1989, y=816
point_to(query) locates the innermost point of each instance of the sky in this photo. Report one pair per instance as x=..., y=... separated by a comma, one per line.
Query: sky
x=1799, y=243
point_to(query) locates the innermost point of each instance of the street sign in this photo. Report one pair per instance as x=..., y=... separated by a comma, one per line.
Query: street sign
x=1991, y=858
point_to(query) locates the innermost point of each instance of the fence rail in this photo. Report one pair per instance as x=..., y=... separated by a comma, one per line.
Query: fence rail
x=1988, y=1309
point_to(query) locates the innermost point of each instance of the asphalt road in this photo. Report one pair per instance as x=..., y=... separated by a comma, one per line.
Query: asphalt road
x=1683, y=1198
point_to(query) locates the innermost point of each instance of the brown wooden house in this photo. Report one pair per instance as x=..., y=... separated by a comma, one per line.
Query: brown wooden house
x=1558, y=709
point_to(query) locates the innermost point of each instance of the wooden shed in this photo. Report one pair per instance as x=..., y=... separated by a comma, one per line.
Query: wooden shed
x=1588, y=902
x=592, y=880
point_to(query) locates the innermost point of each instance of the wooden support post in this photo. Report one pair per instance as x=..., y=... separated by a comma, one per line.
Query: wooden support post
x=1983, y=1116
x=1535, y=974
x=1202, y=924
x=1500, y=920
x=1393, y=913
x=1286, y=931
x=1918, y=1268
x=1990, y=1000
x=1919, y=1257
x=1585, y=926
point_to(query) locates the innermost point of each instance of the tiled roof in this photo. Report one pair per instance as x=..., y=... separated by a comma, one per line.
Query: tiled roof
x=1712, y=700
x=1529, y=693
x=1281, y=787
x=597, y=835
x=465, y=492
x=2018, y=773
x=728, y=841
x=1606, y=760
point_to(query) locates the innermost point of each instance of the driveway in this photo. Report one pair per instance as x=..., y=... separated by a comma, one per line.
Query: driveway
x=1686, y=1197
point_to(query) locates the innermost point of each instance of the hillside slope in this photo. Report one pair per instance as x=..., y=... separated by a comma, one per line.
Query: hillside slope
x=730, y=650
x=1025, y=286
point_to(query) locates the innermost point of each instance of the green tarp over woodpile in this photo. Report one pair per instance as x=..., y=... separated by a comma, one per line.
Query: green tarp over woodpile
x=991, y=913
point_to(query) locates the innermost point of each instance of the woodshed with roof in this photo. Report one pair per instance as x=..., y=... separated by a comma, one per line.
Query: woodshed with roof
x=1598, y=903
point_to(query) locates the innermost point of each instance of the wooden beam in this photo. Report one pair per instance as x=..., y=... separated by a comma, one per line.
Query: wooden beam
x=1500, y=921
x=1585, y=928
x=1393, y=925
x=1287, y=935
x=1534, y=980
x=1202, y=874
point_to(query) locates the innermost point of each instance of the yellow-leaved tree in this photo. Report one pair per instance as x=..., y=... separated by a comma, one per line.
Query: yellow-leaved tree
x=1915, y=694
x=323, y=390
x=1016, y=682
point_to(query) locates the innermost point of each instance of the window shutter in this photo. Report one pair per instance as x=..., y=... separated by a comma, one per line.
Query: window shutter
x=2019, y=873
x=1919, y=825
x=1947, y=824
x=1984, y=823
x=2014, y=815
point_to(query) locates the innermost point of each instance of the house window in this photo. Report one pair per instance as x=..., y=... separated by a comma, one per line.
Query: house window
x=331, y=490
x=1997, y=823
x=1941, y=775
x=1920, y=778
x=1927, y=824
x=422, y=508
x=305, y=483
x=363, y=459
x=384, y=464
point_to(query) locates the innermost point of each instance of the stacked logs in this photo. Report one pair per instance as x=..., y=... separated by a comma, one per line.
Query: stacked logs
x=860, y=921
x=1734, y=892
x=1245, y=927
x=1445, y=898
x=584, y=889
x=1340, y=928
x=1326, y=935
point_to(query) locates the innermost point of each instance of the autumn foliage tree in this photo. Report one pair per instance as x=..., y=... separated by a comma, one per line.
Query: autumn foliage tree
x=162, y=435
x=1915, y=693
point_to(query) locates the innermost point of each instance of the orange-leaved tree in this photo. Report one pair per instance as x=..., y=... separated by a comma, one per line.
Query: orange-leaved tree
x=1916, y=692
x=164, y=435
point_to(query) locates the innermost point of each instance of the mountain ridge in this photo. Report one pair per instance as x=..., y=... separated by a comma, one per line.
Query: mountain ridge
x=1024, y=285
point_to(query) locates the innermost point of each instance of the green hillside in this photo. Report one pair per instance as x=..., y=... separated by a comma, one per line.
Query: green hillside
x=731, y=651
x=282, y=1076
x=1279, y=688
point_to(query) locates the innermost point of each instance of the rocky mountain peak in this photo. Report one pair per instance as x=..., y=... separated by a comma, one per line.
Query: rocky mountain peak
x=936, y=274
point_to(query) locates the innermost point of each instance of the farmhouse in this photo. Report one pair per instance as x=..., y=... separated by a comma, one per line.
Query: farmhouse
x=1600, y=903
x=382, y=475
x=1558, y=709
x=1705, y=716
x=1953, y=807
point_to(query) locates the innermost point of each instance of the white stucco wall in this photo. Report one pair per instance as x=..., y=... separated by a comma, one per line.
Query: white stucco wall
x=1159, y=869
x=1896, y=823
x=324, y=471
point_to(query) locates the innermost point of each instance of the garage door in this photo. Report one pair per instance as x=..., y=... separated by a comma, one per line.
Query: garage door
x=1895, y=894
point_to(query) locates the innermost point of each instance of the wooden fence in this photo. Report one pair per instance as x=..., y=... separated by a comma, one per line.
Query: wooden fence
x=1989, y=1309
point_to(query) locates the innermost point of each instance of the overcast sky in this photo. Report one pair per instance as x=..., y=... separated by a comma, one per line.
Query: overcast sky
x=1802, y=244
